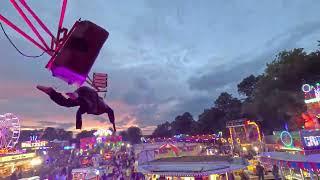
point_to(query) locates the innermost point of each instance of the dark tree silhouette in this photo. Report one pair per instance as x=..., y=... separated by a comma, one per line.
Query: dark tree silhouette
x=134, y=135
x=183, y=124
x=163, y=130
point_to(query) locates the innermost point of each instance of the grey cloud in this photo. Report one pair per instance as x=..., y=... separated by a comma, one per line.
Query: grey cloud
x=235, y=72
x=30, y=127
x=159, y=53
x=56, y=124
x=65, y=125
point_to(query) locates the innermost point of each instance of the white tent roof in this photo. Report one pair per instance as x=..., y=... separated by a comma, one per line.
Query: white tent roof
x=183, y=167
x=284, y=156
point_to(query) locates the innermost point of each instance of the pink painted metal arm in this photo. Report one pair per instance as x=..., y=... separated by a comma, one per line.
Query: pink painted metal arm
x=29, y=23
x=22, y=33
x=54, y=40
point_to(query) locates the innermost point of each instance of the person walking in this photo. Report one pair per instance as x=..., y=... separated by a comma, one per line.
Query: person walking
x=275, y=172
x=244, y=175
x=260, y=171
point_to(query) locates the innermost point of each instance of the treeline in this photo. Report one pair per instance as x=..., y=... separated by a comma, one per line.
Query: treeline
x=132, y=135
x=273, y=98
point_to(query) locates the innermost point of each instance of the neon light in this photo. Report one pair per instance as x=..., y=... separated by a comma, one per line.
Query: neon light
x=231, y=138
x=306, y=88
x=258, y=129
x=30, y=144
x=283, y=133
x=291, y=148
x=103, y=132
x=68, y=147
x=16, y=157
x=317, y=99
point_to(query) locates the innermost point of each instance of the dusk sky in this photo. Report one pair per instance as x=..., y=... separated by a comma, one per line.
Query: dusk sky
x=163, y=57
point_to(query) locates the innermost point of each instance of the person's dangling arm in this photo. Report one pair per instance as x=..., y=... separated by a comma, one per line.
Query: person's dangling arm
x=110, y=113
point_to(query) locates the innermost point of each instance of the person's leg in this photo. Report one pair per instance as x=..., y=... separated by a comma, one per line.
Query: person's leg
x=104, y=108
x=80, y=111
x=58, y=98
x=110, y=113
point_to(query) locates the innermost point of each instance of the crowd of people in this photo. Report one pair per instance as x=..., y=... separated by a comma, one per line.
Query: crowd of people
x=122, y=166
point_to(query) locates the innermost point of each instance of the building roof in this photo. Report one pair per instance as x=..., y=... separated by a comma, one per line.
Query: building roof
x=195, y=159
x=192, y=165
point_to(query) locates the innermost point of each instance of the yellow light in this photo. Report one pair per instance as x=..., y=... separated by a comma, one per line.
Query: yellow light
x=36, y=161
x=16, y=157
x=128, y=145
x=255, y=148
x=258, y=129
x=244, y=149
x=231, y=140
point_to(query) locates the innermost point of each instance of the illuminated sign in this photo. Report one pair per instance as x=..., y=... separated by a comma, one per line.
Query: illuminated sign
x=16, y=157
x=312, y=93
x=103, y=132
x=68, y=147
x=310, y=139
x=30, y=144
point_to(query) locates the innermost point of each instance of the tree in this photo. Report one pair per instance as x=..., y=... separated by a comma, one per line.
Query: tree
x=211, y=120
x=277, y=98
x=163, y=130
x=50, y=134
x=134, y=135
x=64, y=135
x=229, y=105
x=183, y=124
x=124, y=135
x=85, y=134
x=247, y=85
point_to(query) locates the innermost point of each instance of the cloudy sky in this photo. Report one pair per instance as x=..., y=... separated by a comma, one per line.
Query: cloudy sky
x=163, y=57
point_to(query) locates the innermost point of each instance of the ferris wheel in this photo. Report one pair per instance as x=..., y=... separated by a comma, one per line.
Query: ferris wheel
x=9, y=130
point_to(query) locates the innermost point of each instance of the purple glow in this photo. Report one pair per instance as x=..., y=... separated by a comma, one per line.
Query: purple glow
x=68, y=76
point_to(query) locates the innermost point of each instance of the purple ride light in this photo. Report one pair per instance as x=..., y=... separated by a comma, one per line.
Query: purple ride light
x=68, y=76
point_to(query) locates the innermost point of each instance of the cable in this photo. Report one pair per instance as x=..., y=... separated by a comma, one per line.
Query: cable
x=23, y=54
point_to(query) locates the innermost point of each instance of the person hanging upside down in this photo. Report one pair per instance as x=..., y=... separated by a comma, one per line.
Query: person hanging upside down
x=86, y=98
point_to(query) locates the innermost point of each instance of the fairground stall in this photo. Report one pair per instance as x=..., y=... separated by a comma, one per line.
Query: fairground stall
x=89, y=173
x=293, y=166
x=104, y=144
x=301, y=159
x=11, y=158
x=210, y=144
x=101, y=138
x=193, y=167
x=245, y=135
